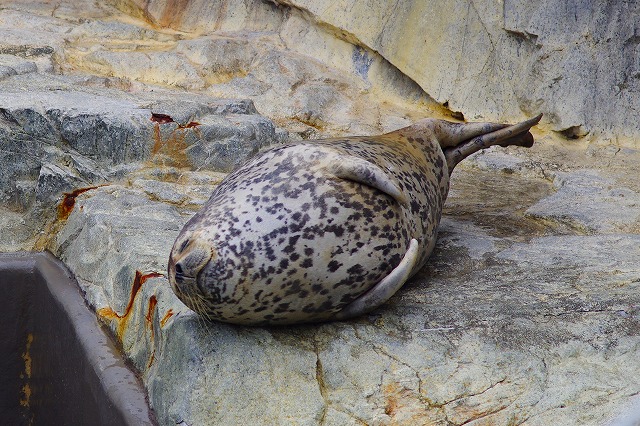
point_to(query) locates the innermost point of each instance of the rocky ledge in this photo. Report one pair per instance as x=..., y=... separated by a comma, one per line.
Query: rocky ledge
x=114, y=133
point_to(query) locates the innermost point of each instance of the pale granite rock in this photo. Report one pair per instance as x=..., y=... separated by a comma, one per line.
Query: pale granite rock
x=584, y=200
x=575, y=61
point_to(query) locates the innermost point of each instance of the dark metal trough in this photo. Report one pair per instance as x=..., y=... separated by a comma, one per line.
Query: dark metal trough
x=57, y=365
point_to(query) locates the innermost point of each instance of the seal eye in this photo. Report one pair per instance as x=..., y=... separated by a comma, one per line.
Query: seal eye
x=184, y=245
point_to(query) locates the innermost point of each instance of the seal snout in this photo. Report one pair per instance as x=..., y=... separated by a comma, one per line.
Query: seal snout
x=187, y=259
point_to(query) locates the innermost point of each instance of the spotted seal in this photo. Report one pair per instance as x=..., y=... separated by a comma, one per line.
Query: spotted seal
x=324, y=229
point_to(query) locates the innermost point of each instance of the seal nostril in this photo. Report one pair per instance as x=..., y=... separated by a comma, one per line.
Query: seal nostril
x=178, y=269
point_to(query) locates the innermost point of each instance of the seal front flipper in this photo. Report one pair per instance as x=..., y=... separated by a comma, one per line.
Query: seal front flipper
x=365, y=172
x=386, y=288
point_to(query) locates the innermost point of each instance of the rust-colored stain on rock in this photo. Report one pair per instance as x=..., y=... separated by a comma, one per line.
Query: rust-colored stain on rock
x=109, y=313
x=391, y=391
x=173, y=148
x=153, y=302
x=161, y=118
x=172, y=13
x=189, y=125
x=69, y=201
x=166, y=317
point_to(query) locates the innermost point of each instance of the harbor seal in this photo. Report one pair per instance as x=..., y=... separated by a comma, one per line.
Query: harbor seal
x=325, y=229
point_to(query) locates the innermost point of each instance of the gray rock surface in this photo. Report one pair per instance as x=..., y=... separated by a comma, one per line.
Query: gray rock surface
x=59, y=134
x=527, y=313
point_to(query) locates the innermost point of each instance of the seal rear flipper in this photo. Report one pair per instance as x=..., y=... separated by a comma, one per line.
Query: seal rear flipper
x=386, y=288
x=517, y=134
x=365, y=172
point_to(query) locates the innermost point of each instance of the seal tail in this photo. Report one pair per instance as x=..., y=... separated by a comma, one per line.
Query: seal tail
x=517, y=135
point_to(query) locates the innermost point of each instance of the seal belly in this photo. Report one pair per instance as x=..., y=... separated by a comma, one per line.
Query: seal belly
x=299, y=245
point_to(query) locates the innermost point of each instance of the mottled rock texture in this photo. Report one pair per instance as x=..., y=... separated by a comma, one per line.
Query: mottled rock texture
x=118, y=119
x=575, y=60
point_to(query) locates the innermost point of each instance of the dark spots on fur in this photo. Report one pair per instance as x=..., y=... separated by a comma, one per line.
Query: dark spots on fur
x=336, y=251
x=355, y=217
x=274, y=208
x=270, y=253
x=355, y=269
x=291, y=245
x=325, y=306
x=415, y=206
x=283, y=230
x=300, y=222
x=336, y=229
x=334, y=266
x=294, y=287
x=380, y=247
x=347, y=298
x=313, y=231
x=439, y=162
x=281, y=308
x=257, y=295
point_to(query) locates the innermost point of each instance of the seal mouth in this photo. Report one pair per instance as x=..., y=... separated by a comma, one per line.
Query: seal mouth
x=179, y=275
x=186, y=261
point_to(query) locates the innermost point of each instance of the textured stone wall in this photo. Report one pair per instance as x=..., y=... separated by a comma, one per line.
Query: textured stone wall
x=576, y=61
